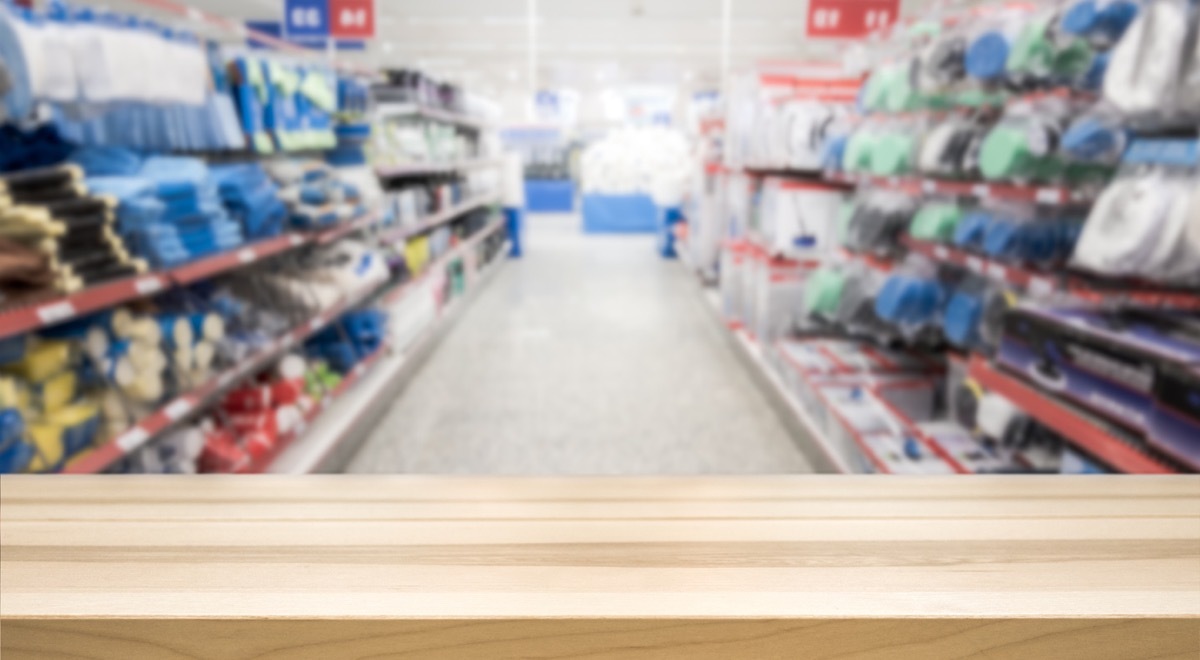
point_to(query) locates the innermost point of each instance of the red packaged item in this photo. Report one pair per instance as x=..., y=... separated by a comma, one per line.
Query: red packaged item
x=250, y=398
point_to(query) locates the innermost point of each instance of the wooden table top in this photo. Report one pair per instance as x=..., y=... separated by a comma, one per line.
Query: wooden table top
x=461, y=567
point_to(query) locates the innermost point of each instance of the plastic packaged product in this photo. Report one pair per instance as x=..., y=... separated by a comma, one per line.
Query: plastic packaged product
x=877, y=220
x=1023, y=146
x=1151, y=76
x=1147, y=222
x=936, y=220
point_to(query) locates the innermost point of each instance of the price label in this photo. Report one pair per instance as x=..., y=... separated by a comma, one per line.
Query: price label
x=1050, y=196
x=295, y=240
x=997, y=271
x=1041, y=286
x=147, y=285
x=975, y=264
x=981, y=190
x=929, y=186
x=177, y=408
x=59, y=311
x=941, y=252
x=246, y=255
x=132, y=439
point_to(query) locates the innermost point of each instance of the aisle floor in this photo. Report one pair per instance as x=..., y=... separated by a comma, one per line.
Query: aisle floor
x=590, y=355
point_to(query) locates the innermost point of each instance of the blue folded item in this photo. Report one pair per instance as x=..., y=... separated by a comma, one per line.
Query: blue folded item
x=12, y=349
x=15, y=453
x=108, y=161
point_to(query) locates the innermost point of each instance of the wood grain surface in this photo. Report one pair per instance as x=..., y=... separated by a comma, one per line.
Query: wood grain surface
x=467, y=567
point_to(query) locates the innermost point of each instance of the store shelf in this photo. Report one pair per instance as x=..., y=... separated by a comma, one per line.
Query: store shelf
x=259, y=465
x=326, y=236
x=428, y=169
x=439, y=218
x=105, y=455
x=1046, y=195
x=347, y=419
x=207, y=267
x=390, y=110
x=1100, y=440
x=150, y=427
x=1040, y=282
x=59, y=309
x=794, y=415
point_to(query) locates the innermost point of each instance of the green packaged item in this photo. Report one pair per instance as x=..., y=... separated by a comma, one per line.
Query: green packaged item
x=936, y=222
x=823, y=292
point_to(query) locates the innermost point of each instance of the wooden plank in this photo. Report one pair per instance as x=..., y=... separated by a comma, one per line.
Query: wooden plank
x=461, y=567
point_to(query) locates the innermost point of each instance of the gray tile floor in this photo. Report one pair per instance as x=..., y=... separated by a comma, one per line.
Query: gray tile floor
x=589, y=356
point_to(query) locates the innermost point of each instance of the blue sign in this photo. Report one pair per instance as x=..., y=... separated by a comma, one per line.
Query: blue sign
x=303, y=19
x=275, y=29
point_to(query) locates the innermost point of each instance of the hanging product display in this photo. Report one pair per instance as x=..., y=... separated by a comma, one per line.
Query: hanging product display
x=1011, y=226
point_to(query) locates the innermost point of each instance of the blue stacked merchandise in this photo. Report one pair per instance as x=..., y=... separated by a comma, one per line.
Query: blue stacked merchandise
x=251, y=198
x=348, y=341
x=169, y=209
x=109, y=78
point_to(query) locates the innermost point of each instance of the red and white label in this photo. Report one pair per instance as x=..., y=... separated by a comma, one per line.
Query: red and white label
x=352, y=19
x=850, y=18
x=53, y=313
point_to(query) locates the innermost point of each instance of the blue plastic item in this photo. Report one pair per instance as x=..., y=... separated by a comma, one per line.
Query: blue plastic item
x=549, y=196
x=961, y=321
x=619, y=214
x=905, y=300
x=970, y=232
x=987, y=56
x=668, y=217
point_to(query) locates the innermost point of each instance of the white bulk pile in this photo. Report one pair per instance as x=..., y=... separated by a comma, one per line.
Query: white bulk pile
x=649, y=160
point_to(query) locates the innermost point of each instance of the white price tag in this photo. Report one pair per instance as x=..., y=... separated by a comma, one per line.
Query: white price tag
x=147, y=285
x=295, y=240
x=195, y=15
x=997, y=271
x=177, y=408
x=59, y=311
x=929, y=186
x=940, y=252
x=975, y=264
x=1041, y=286
x=1049, y=196
x=246, y=255
x=893, y=180
x=225, y=379
x=981, y=190
x=132, y=439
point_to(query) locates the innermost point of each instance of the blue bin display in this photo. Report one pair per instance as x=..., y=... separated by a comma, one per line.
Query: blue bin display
x=632, y=214
x=549, y=195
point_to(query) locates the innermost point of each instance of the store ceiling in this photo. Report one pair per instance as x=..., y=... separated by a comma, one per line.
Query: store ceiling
x=580, y=43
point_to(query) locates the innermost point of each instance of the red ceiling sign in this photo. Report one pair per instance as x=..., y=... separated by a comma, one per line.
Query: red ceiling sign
x=352, y=19
x=850, y=18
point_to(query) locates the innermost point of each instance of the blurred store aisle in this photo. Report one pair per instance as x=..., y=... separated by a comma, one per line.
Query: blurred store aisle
x=589, y=356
